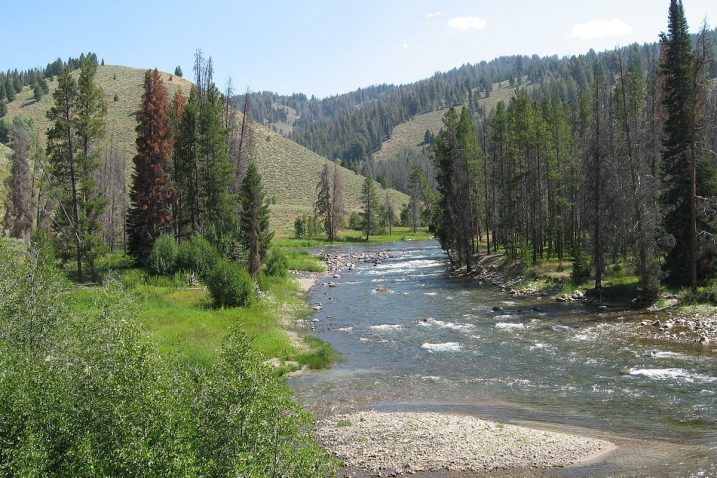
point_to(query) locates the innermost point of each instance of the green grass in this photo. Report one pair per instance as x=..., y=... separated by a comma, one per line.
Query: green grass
x=347, y=236
x=301, y=260
x=553, y=277
x=187, y=328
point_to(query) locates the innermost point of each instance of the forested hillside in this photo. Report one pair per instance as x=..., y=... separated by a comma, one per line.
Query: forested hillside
x=353, y=127
x=278, y=158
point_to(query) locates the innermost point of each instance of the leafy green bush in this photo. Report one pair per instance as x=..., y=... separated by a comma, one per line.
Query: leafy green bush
x=197, y=255
x=277, y=264
x=92, y=396
x=355, y=221
x=163, y=257
x=230, y=285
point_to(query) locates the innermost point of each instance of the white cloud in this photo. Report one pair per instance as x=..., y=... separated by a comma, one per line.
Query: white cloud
x=433, y=14
x=467, y=23
x=404, y=46
x=600, y=29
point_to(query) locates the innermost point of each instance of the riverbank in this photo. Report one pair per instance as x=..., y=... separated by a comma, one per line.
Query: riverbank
x=673, y=318
x=388, y=443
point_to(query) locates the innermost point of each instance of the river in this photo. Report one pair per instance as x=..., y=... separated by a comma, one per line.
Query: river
x=434, y=343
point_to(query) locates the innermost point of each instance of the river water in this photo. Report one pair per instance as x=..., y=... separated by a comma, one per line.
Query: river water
x=533, y=362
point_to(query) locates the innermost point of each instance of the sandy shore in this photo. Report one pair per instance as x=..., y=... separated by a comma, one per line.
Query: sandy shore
x=385, y=443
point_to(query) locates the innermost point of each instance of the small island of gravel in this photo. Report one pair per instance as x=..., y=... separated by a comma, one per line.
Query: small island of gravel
x=413, y=442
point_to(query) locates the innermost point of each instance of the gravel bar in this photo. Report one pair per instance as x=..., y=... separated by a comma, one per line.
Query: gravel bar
x=386, y=443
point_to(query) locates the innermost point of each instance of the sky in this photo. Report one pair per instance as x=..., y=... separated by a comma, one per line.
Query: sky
x=326, y=47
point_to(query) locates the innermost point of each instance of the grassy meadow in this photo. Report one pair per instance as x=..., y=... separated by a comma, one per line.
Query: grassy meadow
x=187, y=328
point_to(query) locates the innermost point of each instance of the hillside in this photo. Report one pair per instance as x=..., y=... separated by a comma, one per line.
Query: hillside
x=290, y=171
x=410, y=133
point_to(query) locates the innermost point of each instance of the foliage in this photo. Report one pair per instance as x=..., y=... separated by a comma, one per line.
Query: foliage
x=92, y=397
x=369, y=215
x=355, y=221
x=19, y=210
x=197, y=255
x=299, y=227
x=163, y=257
x=277, y=264
x=581, y=267
x=254, y=219
x=152, y=190
x=78, y=122
x=230, y=285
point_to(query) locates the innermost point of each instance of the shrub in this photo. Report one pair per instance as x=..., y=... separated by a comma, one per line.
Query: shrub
x=96, y=397
x=132, y=278
x=163, y=257
x=355, y=221
x=277, y=264
x=230, y=285
x=581, y=267
x=197, y=255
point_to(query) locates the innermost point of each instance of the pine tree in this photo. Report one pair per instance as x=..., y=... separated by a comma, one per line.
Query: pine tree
x=176, y=118
x=685, y=176
x=337, y=200
x=37, y=92
x=152, y=191
x=77, y=116
x=369, y=200
x=178, y=71
x=390, y=212
x=9, y=91
x=455, y=156
x=323, y=207
x=3, y=108
x=254, y=220
x=19, y=213
x=90, y=129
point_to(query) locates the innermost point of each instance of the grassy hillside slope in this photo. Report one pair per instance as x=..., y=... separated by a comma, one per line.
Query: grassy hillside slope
x=410, y=134
x=290, y=171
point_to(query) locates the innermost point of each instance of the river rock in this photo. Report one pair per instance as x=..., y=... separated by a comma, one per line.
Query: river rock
x=497, y=309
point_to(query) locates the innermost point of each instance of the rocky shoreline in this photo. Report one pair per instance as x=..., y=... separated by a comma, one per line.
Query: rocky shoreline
x=386, y=444
x=339, y=262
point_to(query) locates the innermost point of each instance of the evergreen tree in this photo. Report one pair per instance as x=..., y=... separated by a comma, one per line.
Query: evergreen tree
x=390, y=212
x=685, y=176
x=455, y=154
x=152, y=190
x=254, y=220
x=323, y=207
x=337, y=200
x=19, y=213
x=90, y=129
x=369, y=200
x=9, y=91
x=178, y=71
x=37, y=92
x=3, y=108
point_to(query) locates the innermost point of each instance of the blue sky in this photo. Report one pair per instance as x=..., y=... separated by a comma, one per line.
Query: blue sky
x=326, y=47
